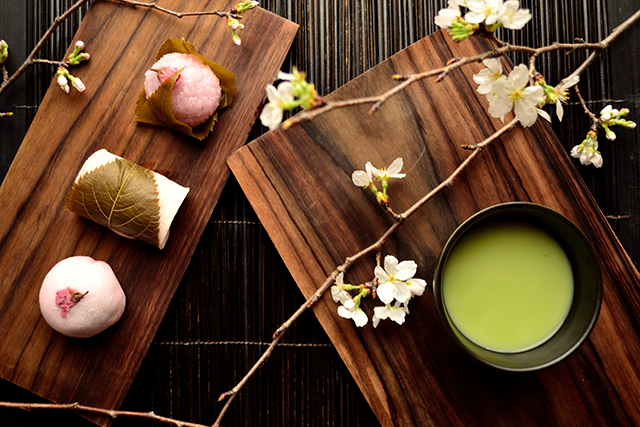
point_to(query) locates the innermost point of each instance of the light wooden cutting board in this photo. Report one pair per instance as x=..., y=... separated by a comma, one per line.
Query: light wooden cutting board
x=299, y=183
x=36, y=232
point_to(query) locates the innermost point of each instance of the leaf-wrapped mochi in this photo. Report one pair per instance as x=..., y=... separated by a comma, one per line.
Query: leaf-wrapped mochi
x=131, y=200
x=184, y=90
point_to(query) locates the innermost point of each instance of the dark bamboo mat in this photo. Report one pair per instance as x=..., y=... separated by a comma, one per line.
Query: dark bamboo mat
x=237, y=290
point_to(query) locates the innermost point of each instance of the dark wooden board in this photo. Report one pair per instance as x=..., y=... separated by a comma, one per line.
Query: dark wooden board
x=299, y=183
x=36, y=231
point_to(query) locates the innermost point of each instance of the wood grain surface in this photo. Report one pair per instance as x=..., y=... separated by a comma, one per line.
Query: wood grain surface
x=299, y=183
x=36, y=232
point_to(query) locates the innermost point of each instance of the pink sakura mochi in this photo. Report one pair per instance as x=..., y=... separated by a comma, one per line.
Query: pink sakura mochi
x=196, y=93
x=81, y=297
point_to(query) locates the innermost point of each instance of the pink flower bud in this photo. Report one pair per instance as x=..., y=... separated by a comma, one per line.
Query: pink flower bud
x=77, y=83
x=79, y=45
x=62, y=80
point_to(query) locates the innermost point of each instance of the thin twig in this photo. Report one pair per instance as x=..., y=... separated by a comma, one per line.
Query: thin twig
x=30, y=59
x=232, y=393
x=154, y=5
x=89, y=409
x=605, y=43
x=594, y=119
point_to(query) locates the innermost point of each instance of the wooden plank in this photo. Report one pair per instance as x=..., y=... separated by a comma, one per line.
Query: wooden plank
x=36, y=231
x=299, y=182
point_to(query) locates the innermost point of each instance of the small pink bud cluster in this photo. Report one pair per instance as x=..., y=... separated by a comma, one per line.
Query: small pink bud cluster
x=63, y=79
x=235, y=25
x=78, y=56
x=610, y=117
x=233, y=19
x=244, y=6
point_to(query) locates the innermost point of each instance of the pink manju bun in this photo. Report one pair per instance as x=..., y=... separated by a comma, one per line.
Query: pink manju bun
x=196, y=93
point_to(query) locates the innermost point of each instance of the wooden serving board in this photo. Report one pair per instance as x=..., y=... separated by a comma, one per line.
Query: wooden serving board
x=36, y=232
x=299, y=182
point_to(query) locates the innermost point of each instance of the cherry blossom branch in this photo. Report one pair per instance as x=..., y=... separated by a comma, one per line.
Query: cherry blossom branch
x=31, y=59
x=594, y=119
x=89, y=409
x=441, y=73
x=374, y=247
x=154, y=5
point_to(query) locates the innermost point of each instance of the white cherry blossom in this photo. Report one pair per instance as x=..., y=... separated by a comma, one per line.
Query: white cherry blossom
x=512, y=17
x=393, y=171
x=483, y=11
x=392, y=279
x=363, y=178
x=271, y=115
x=356, y=314
x=449, y=15
x=485, y=78
x=338, y=294
x=393, y=312
x=561, y=94
x=608, y=113
x=588, y=152
x=416, y=286
x=513, y=93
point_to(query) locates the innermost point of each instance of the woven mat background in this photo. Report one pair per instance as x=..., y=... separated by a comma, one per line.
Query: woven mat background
x=237, y=291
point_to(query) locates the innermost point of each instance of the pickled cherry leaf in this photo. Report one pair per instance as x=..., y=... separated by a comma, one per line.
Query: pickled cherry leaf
x=119, y=195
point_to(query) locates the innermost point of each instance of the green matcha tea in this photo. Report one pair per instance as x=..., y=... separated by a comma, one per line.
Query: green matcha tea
x=507, y=286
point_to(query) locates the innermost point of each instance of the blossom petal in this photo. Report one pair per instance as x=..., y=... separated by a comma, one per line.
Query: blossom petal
x=390, y=265
x=402, y=292
x=271, y=116
x=544, y=115
x=519, y=76
x=360, y=318
x=526, y=113
x=380, y=274
x=499, y=106
x=285, y=91
x=386, y=292
x=406, y=270
x=395, y=167
x=533, y=94
x=416, y=286
x=361, y=178
x=272, y=93
x=559, y=110
x=285, y=76
x=343, y=312
x=397, y=315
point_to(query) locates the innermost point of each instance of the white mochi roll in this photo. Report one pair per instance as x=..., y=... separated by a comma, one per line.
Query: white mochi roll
x=131, y=200
x=81, y=297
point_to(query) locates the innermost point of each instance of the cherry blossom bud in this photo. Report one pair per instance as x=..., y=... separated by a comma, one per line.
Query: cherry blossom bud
x=79, y=45
x=236, y=39
x=246, y=5
x=77, y=83
x=233, y=23
x=4, y=51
